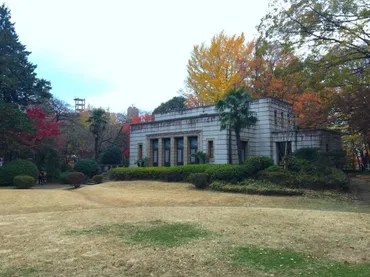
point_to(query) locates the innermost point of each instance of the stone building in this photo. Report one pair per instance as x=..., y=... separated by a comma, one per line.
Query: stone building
x=171, y=138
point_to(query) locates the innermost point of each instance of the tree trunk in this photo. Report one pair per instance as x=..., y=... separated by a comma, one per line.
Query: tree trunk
x=285, y=153
x=96, y=147
x=238, y=146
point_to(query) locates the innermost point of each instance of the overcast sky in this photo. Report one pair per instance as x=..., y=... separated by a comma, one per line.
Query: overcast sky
x=118, y=53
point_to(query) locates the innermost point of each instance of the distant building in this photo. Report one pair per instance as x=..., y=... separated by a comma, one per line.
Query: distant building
x=172, y=138
x=79, y=104
x=131, y=112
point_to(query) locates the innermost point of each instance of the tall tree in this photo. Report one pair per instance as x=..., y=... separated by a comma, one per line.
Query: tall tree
x=98, y=121
x=18, y=81
x=235, y=114
x=175, y=104
x=320, y=27
x=13, y=124
x=274, y=72
x=215, y=69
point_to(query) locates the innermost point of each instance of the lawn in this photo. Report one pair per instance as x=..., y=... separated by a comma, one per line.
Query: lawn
x=169, y=229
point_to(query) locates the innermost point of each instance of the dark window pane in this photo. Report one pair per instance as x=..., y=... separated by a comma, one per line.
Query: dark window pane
x=180, y=143
x=155, y=144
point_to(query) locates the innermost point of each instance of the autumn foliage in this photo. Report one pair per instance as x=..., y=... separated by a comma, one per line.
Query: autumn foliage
x=43, y=126
x=217, y=68
x=263, y=69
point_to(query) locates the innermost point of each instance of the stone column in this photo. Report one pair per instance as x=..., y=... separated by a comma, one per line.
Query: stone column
x=186, y=151
x=173, y=152
x=160, y=152
x=149, y=152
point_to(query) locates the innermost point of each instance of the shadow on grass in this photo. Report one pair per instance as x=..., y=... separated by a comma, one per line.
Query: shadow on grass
x=290, y=263
x=149, y=233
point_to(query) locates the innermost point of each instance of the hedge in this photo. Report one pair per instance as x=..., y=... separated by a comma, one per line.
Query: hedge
x=16, y=168
x=169, y=174
x=253, y=187
x=222, y=172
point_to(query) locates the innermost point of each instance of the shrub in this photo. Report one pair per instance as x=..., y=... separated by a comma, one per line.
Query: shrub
x=229, y=173
x=111, y=155
x=76, y=179
x=199, y=180
x=16, y=168
x=87, y=167
x=273, y=168
x=336, y=179
x=255, y=164
x=63, y=177
x=309, y=154
x=23, y=181
x=281, y=177
x=98, y=179
x=255, y=187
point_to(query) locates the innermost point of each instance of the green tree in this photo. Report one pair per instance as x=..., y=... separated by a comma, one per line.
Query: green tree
x=13, y=123
x=320, y=27
x=235, y=115
x=111, y=155
x=98, y=121
x=18, y=81
x=175, y=104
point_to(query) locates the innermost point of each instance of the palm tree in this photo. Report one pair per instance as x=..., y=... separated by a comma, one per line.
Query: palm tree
x=98, y=120
x=235, y=115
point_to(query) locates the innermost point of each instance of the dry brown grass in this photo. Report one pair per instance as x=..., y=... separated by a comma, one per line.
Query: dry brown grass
x=34, y=226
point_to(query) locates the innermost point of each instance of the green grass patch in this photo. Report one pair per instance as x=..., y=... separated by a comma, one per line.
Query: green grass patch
x=148, y=233
x=166, y=234
x=290, y=263
x=19, y=271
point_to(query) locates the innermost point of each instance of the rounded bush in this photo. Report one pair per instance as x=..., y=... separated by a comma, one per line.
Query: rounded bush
x=16, y=168
x=98, y=179
x=87, y=167
x=111, y=155
x=255, y=164
x=199, y=180
x=76, y=179
x=23, y=181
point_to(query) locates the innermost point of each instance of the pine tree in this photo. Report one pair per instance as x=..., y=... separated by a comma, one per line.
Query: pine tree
x=18, y=81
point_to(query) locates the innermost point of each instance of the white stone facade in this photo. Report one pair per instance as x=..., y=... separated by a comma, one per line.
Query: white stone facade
x=172, y=137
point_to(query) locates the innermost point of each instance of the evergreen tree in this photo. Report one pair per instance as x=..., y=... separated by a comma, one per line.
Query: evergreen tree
x=175, y=104
x=18, y=81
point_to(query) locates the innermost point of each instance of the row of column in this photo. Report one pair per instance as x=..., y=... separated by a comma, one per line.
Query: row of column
x=173, y=150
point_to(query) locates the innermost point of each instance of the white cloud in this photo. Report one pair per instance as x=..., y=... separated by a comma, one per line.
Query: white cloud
x=140, y=48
